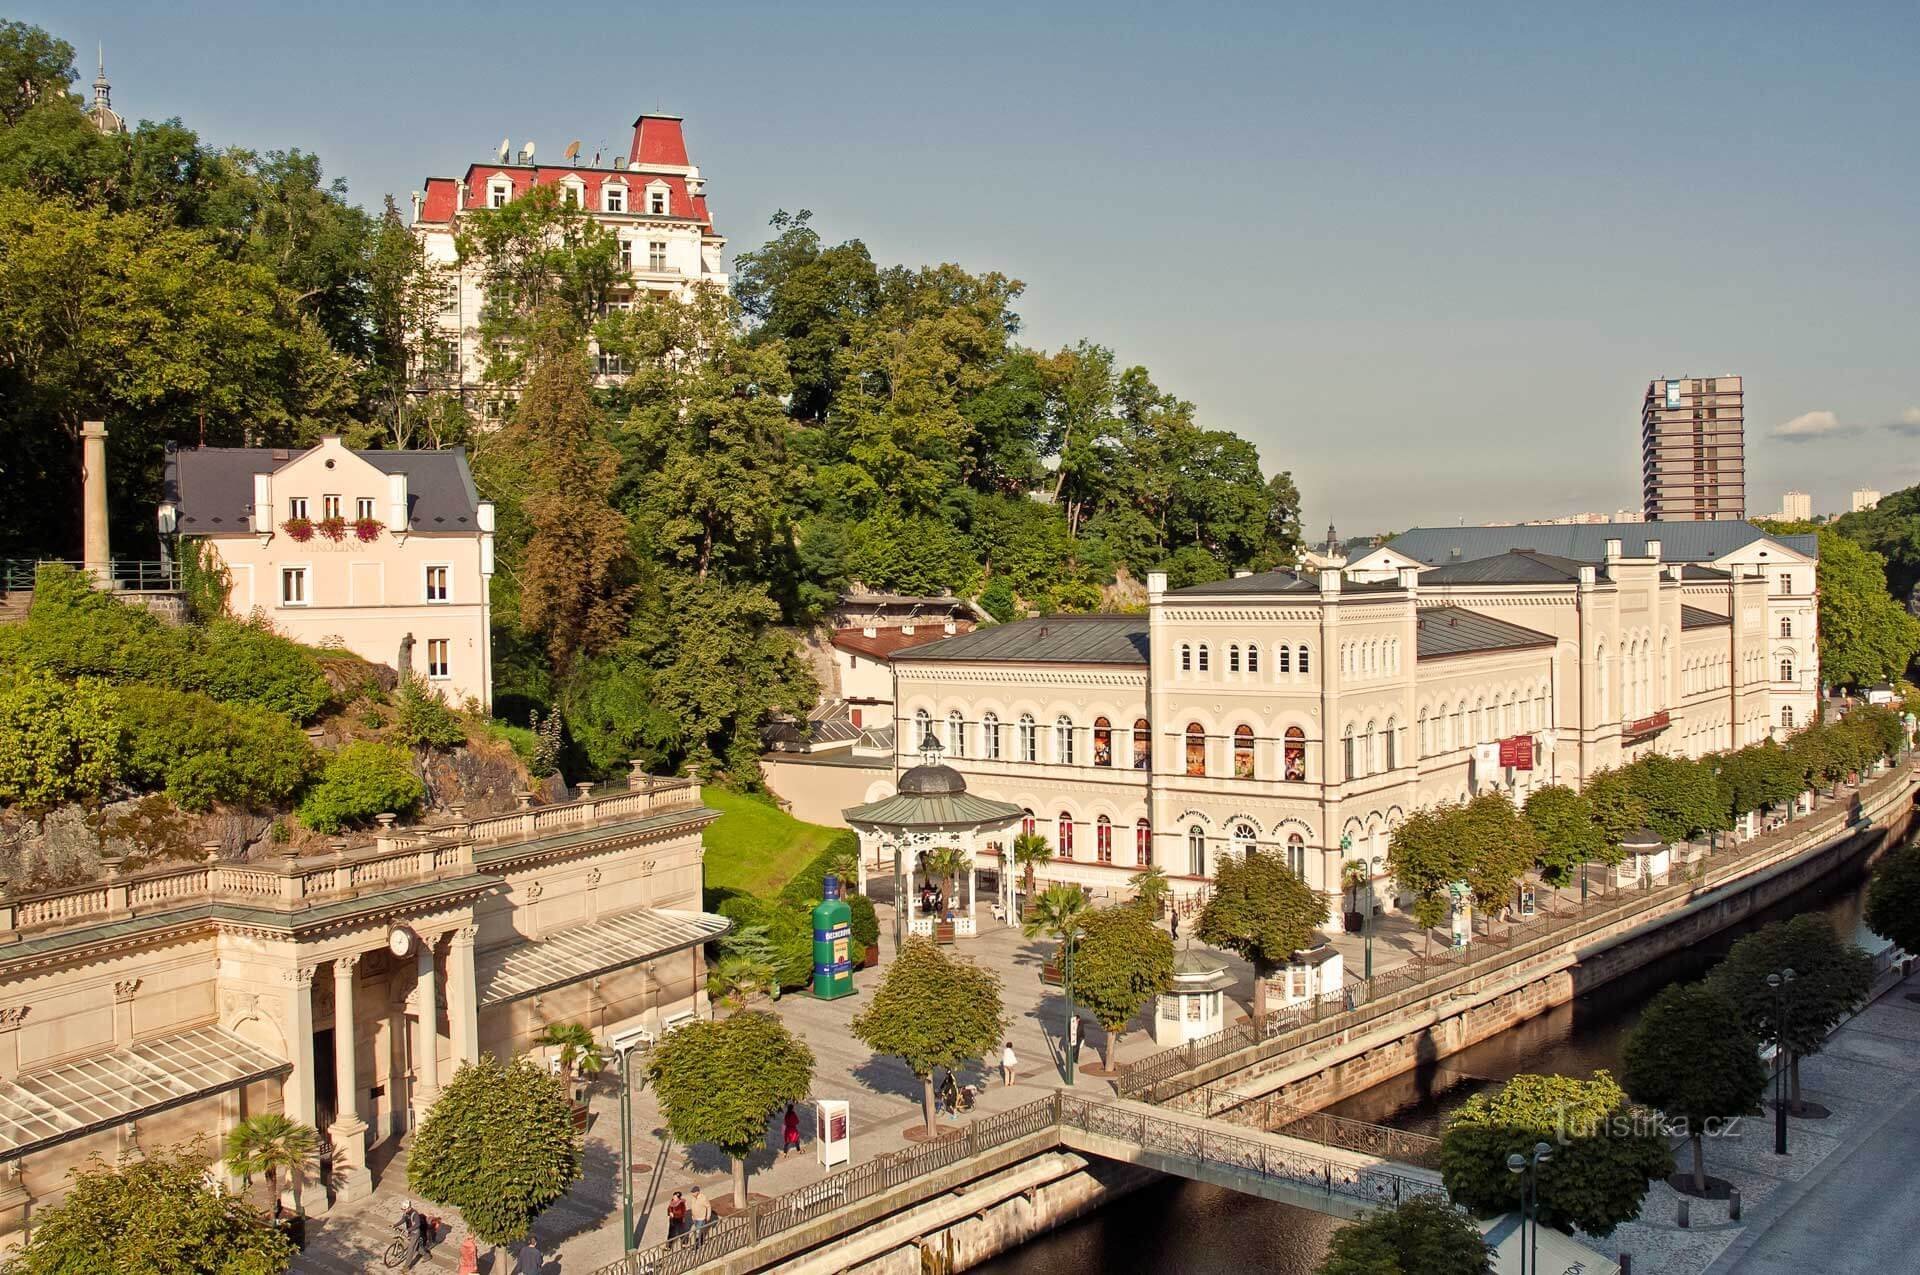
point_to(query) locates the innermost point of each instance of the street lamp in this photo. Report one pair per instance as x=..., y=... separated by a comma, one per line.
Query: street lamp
x=624, y=1043
x=1366, y=925
x=1073, y=1018
x=1528, y=1167
x=1781, y=983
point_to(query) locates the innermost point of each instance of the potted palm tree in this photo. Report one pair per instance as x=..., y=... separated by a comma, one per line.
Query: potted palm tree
x=580, y=1058
x=1055, y=912
x=737, y=978
x=1150, y=889
x=1030, y=851
x=944, y=864
x=272, y=1144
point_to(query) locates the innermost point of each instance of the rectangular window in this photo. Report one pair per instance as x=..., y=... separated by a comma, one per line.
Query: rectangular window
x=609, y=364
x=363, y=507
x=293, y=586
x=497, y=197
x=437, y=583
x=657, y=256
x=329, y=506
x=1786, y=584
x=570, y=196
x=657, y=203
x=296, y=506
x=437, y=663
x=616, y=199
x=450, y=300
x=626, y=254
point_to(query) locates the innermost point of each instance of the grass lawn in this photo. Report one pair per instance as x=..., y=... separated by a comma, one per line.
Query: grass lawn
x=755, y=847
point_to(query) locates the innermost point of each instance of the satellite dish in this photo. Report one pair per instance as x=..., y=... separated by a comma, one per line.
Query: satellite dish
x=506, y=148
x=526, y=153
x=573, y=151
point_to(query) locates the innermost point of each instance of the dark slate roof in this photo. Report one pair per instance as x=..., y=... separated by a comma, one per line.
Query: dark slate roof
x=1699, y=618
x=1265, y=582
x=212, y=487
x=1051, y=639
x=1517, y=566
x=1587, y=542
x=1448, y=630
x=1694, y=571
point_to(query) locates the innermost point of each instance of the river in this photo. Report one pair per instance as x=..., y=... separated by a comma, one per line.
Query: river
x=1187, y=1228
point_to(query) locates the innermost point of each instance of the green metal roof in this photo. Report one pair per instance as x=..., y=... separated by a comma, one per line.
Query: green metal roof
x=956, y=810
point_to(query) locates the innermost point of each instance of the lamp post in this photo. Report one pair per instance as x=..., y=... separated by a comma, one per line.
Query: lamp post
x=1366, y=923
x=1780, y=983
x=626, y=1152
x=1528, y=1167
x=1073, y=1018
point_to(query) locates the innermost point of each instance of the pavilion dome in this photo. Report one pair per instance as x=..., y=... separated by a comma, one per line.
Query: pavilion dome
x=932, y=780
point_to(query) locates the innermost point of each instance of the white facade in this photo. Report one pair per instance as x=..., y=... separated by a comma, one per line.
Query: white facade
x=1796, y=506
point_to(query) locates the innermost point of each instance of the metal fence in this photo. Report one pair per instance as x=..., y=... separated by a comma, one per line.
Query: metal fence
x=123, y=575
x=1270, y=1114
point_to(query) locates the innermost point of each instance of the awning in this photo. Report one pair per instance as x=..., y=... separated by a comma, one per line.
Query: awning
x=567, y=956
x=72, y=1100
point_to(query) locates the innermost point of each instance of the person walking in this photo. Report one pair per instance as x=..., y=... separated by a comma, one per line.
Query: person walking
x=700, y=1210
x=790, y=1139
x=1175, y=914
x=469, y=1256
x=676, y=1217
x=1007, y=1063
x=415, y=1230
x=529, y=1261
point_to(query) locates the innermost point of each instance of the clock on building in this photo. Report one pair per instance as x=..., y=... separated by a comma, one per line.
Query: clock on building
x=401, y=941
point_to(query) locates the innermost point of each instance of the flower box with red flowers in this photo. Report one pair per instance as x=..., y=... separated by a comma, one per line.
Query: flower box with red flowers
x=334, y=529
x=298, y=529
x=367, y=530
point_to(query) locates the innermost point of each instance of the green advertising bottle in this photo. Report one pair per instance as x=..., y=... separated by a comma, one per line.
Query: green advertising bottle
x=832, y=944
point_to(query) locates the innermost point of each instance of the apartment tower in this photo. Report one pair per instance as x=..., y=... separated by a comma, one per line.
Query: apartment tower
x=1692, y=452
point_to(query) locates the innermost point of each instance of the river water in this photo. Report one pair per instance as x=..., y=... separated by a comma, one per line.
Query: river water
x=1188, y=1228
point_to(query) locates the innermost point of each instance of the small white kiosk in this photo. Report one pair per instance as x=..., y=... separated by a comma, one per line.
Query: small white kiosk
x=1195, y=1005
x=1306, y=976
x=1646, y=858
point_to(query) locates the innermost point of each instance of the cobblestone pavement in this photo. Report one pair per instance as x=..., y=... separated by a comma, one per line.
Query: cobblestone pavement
x=1844, y=1197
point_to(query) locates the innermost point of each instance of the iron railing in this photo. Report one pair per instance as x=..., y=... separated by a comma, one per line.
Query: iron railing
x=1270, y=1114
x=123, y=575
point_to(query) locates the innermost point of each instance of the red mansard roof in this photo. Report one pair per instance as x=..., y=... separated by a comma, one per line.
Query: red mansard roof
x=657, y=140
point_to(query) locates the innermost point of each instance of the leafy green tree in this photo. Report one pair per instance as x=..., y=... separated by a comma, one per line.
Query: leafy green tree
x=543, y=263
x=1122, y=963
x=422, y=719
x=1151, y=888
x=360, y=781
x=1605, y=1153
x=202, y=752
x=1261, y=910
x=1692, y=1057
x=1425, y=858
x=1567, y=829
x=1679, y=794
x=1893, y=898
x=720, y=1082
x=272, y=1144
x=930, y=1011
x=807, y=296
x=1056, y=911
x=1499, y=845
x=154, y=1215
x=58, y=742
x=1420, y=1236
x=1830, y=980
x=1866, y=635
x=580, y=1053
x=1762, y=774
x=1618, y=807
x=499, y=1144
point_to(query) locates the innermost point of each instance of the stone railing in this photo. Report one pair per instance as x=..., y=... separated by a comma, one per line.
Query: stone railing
x=294, y=881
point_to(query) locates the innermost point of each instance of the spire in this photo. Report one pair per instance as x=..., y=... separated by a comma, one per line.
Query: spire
x=102, y=91
x=101, y=112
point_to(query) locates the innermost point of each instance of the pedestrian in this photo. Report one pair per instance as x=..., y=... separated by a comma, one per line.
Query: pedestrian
x=1007, y=1063
x=414, y=1229
x=469, y=1256
x=1175, y=915
x=790, y=1139
x=676, y=1217
x=701, y=1211
x=529, y=1261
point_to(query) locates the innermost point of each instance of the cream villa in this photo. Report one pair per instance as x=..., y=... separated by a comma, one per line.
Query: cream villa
x=387, y=553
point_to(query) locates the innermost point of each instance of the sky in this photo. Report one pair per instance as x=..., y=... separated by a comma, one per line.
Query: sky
x=1426, y=257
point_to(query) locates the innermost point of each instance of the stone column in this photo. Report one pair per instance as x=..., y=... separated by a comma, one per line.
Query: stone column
x=426, y=1040
x=463, y=997
x=95, y=553
x=296, y=1091
x=352, y=1181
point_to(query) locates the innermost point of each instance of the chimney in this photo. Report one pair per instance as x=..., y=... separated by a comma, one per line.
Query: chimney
x=1410, y=579
x=483, y=515
x=1587, y=576
x=1613, y=550
x=1653, y=550
x=397, y=521
x=95, y=552
x=1156, y=585
x=263, y=504
x=869, y=631
x=1329, y=583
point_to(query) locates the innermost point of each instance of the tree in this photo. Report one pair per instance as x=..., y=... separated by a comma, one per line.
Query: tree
x=360, y=781
x=499, y=1144
x=155, y=1215
x=1692, y=1057
x=1056, y=911
x=58, y=742
x=1151, y=888
x=580, y=1053
x=1567, y=829
x=739, y=976
x=1618, y=807
x=1425, y=859
x=1830, y=980
x=1604, y=1152
x=1261, y=910
x=945, y=864
x=272, y=1144
x=1030, y=852
x=1893, y=898
x=720, y=1082
x=1123, y=962
x=1498, y=846
x=1420, y=1236
x=1866, y=635
x=1679, y=794
x=932, y=1010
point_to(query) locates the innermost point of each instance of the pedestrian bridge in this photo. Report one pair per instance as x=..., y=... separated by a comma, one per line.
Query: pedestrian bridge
x=925, y=1189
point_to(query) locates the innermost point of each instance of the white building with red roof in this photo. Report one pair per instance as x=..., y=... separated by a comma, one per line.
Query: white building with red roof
x=653, y=199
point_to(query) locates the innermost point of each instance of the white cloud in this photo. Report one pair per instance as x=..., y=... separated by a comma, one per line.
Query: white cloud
x=1909, y=422
x=1810, y=425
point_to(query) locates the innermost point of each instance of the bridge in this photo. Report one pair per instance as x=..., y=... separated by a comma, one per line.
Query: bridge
x=1307, y=1168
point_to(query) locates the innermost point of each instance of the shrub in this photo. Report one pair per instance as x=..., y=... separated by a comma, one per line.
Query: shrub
x=201, y=751
x=74, y=631
x=423, y=719
x=360, y=781
x=788, y=930
x=997, y=599
x=866, y=922
x=807, y=886
x=58, y=742
x=251, y=664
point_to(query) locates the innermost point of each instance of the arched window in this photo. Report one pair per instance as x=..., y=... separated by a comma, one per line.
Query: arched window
x=1063, y=844
x=1604, y=681
x=990, y=732
x=1063, y=740
x=1786, y=668
x=1196, y=749
x=956, y=734
x=1102, y=742
x=1186, y=658
x=1142, y=745
x=1196, y=852
x=1253, y=658
x=1369, y=751
x=1203, y=657
x=1029, y=740
x=1243, y=839
x=1143, y=844
x=1303, y=660
x=1422, y=742
x=1349, y=757
x=1243, y=752
x=1392, y=745
x=1026, y=823
x=1283, y=655
x=1786, y=626
x=1103, y=839
x=1233, y=658
x=923, y=731
x=1297, y=855
x=1294, y=755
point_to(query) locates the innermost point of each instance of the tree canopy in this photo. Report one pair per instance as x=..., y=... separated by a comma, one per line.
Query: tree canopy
x=1830, y=980
x=1893, y=898
x=932, y=1010
x=1420, y=1236
x=1122, y=963
x=1261, y=909
x=499, y=1145
x=1691, y=1057
x=722, y=1081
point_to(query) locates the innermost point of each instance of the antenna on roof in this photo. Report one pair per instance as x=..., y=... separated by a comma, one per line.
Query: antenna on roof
x=526, y=153
x=506, y=148
x=573, y=150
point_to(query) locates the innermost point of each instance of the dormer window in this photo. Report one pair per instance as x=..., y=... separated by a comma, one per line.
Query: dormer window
x=657, y=200
x=613, y=198
x=499, y=191
x=573, y=192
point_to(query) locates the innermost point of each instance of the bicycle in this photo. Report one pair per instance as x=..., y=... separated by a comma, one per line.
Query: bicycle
x=397, y=1251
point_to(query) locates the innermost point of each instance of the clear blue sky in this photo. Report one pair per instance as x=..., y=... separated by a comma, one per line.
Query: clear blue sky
x=1428, y=261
